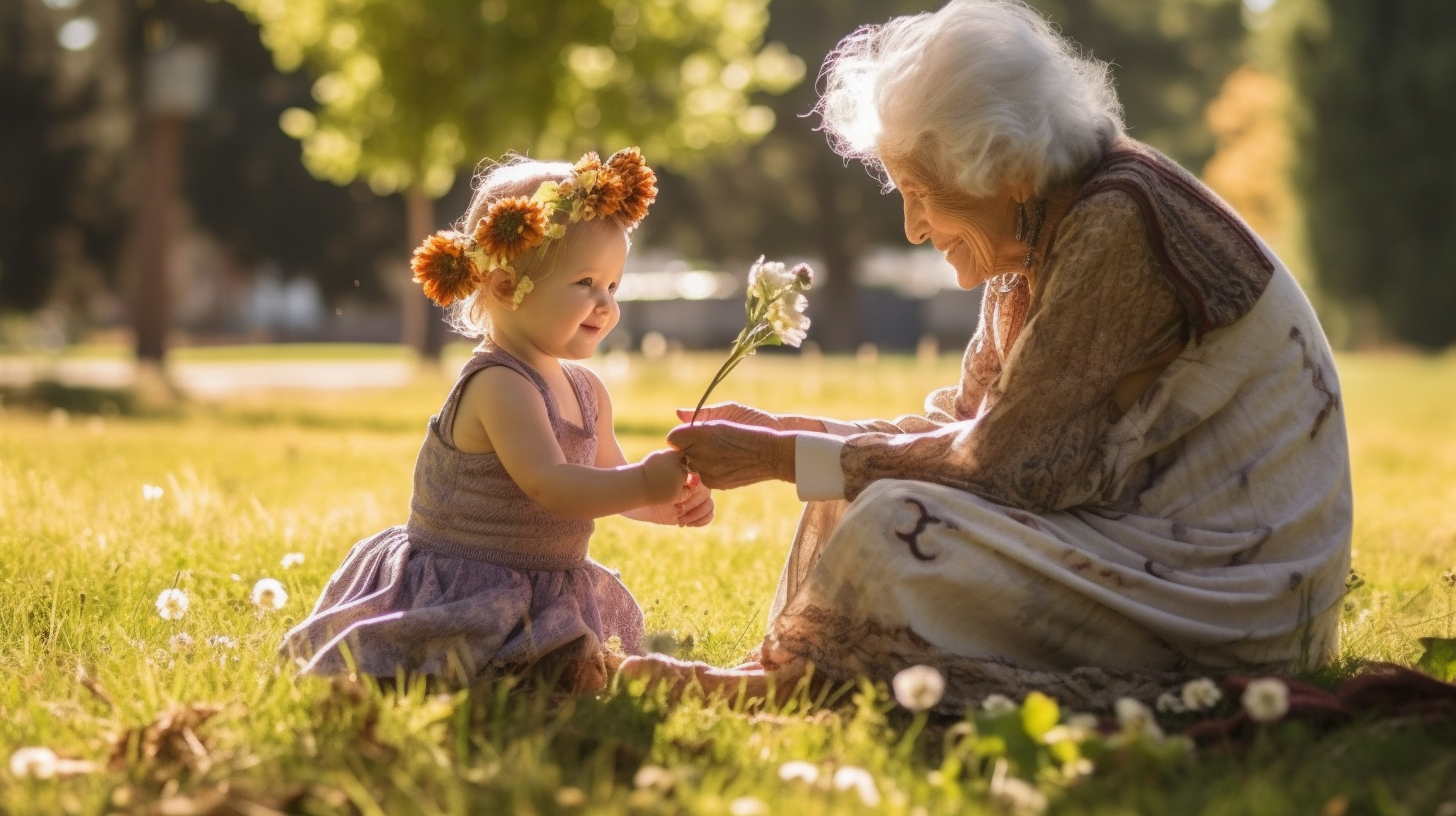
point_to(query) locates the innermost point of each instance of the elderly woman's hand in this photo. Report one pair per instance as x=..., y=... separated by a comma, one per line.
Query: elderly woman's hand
x=729, y=454
x=734, y=412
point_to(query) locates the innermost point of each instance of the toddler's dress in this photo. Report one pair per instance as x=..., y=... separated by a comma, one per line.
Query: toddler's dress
x=482, y=578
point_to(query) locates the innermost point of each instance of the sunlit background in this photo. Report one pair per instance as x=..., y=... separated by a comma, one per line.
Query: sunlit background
x=182, y=173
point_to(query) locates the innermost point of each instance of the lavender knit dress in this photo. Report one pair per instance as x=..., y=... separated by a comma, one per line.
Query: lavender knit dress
x=481, y=578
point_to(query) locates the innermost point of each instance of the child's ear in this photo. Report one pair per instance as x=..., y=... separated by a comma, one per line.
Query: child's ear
x=502, y=284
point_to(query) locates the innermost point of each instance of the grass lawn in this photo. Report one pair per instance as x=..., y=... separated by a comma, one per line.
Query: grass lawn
x=149, y=724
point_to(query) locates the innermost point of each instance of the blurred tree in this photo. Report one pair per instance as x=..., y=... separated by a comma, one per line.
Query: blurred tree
x=1376, y=179
x=790, y=194
x=408, y=93
x=64, y=141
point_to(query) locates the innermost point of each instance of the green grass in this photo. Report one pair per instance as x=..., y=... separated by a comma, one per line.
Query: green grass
x=86, y=668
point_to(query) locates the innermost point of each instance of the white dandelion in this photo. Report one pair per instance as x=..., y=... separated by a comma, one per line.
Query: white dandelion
x=860, y=781
x=918, y=687
x=799, y=771
x=747, y=806
x=291, y=560
x=151, y=492
x=1201, y=694
x=1170, y=703
x=1266, y=699
x=33, y=763
x=998, y=704
x=172, y=604
x=269, y=595
x=1137, y=719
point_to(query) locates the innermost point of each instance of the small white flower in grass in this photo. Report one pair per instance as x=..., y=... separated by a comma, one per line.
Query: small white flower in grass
x=1266, y=699
x=1201, y=694
x=998, y=704
x=1170, y=703
x=1137, y=719
x=172, y=604
x=747, y=806
x=653, y=776
x=799, y=771
x=33, y=763
x=151, y=492
x=182, y=643
x=221, y=642
x=1018, y=797
x=919, y=687
x=291, y=560
x=269, y=595
x=860, y=781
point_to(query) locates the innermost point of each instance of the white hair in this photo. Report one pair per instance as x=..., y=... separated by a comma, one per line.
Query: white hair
x=976, y=95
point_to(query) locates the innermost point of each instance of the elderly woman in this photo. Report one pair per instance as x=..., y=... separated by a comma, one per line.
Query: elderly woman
x=1143, y=468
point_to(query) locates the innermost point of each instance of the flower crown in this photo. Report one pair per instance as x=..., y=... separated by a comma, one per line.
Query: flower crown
x=451, y=265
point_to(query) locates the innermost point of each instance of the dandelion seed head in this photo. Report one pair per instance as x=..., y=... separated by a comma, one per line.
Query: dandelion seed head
x=799, y=771
x=152, y=492
x=1201, y=694
x=998, y=704
x=172, y=604
x=918, y=687
x=33, y=763
x=747, y=806
x=269, y=594
x=291, y=560
x=1170, y=703
x=859, y=780
x=1266, y=699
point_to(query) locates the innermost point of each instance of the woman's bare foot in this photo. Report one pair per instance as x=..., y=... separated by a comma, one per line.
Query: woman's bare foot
x=746, y=682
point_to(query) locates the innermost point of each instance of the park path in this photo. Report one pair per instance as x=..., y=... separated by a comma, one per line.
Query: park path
x=215, y=378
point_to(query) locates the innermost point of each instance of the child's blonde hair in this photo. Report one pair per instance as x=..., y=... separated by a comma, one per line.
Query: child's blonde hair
x=590, y=197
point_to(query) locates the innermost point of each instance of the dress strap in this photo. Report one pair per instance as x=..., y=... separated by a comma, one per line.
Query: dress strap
x=481, y=360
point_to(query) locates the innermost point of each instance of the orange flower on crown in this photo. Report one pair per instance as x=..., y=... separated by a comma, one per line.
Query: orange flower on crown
x=442, y=265
x=511, y=227
x=606, y=196
x=638, y=182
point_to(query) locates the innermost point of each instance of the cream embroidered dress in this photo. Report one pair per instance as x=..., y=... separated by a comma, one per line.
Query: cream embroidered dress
x=1027, y=525
x=481, y=577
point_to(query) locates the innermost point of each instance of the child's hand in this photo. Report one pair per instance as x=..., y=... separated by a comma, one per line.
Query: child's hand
x=666, y=477
x=697, y=509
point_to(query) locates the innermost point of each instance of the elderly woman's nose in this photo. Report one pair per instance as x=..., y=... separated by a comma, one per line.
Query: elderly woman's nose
x=915, y=227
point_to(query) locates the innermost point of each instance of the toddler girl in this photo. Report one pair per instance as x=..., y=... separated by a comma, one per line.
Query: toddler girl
x=491, y=571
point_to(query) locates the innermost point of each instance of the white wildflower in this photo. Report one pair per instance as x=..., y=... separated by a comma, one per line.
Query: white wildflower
x=768, y=277
x=653, y=776
x=172, y=604
x=151, y=492
x=998, y=704
x=291, y=560
x=918, y=687
x=33, y=763
x=1017, y=796
x=1266, y=699
x=1137, y=719
x=747, y=806
x=221, y=642
x=1201, y=694
x=860, y=781
x=269, y=595
x=570, y=797
x=1170, y=703
x=182, y=643
x=786, y=318
x=800, y=771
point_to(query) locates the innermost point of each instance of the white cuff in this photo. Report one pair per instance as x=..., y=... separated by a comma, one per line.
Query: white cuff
x=817, y=472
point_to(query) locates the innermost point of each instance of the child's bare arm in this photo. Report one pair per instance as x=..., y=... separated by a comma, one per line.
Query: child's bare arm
x=512, y=414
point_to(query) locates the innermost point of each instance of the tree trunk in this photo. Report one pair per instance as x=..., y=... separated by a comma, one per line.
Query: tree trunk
x=151, y=301
x=424, y=326
x=838, y=297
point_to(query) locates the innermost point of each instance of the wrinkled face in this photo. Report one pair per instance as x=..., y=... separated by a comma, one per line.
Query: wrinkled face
x=570, y=310
x=976, y=237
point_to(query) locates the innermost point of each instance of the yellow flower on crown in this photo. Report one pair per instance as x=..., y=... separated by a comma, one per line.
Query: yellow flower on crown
x=451, y=265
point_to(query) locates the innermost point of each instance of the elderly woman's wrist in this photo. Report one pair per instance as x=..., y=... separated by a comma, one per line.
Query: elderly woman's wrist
x=783, y=455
